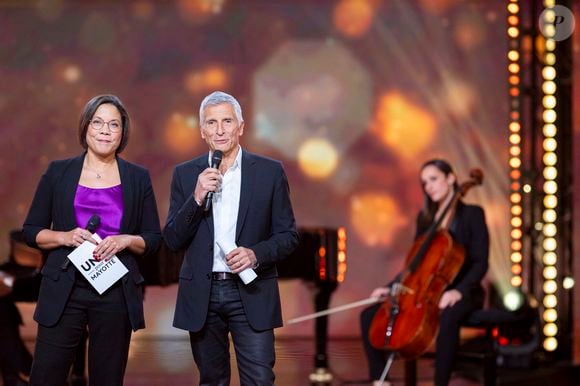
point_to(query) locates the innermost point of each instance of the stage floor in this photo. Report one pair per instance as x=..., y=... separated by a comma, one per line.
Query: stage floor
x=168, y=361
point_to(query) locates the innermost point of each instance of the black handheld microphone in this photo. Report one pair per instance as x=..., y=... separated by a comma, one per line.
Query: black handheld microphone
x=216, y=160
x=92, y=225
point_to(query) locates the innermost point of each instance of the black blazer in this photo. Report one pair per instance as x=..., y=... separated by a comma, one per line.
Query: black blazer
x=265, y=224
x=53, y=208
x=468, y=228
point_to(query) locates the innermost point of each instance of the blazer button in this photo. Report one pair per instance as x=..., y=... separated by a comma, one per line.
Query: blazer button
x=208, y=276
x=211, y=247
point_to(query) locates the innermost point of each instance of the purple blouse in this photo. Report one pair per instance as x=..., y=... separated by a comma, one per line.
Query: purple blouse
x=107, y=203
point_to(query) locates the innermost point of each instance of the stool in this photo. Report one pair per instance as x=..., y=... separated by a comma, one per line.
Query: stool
x=486, y=319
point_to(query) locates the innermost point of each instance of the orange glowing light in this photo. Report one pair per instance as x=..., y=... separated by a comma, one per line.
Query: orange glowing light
x=515, y=174
x=403, y=126
x=516, y=222
x=513, y=32
x=516, y=281
x=514, y=80
x=516, y=257
x=317, y=158
x=514, y=68
x=211, y=78
x=515, y=139
x=516, y=234
x=195, y=11
x=513, y=20
x=459, y=98
x=516, y=269
x=513, y=55
x=515, y=162
x=516, y=210
x=469, y=32
x=215, y=77
x=437, y=6
x=376, y=218
x=67, y=71
x=181, y=134
x=516, y=245
x=513, y=8
x=353, y=18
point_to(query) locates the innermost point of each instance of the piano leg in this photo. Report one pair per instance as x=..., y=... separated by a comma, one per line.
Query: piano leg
x=321, y=374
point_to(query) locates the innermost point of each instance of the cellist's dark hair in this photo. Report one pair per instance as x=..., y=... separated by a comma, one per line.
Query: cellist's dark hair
x=429, y=210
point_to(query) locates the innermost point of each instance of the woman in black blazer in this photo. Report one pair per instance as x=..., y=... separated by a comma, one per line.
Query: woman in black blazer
x=465, y=294
x=69, y=193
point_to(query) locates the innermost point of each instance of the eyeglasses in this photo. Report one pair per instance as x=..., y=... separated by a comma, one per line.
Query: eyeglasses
x=114, y=125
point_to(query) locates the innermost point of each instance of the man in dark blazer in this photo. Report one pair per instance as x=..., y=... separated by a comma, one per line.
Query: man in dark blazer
x=249, y=209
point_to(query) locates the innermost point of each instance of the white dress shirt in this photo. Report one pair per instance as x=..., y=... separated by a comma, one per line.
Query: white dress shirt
x=226, y=203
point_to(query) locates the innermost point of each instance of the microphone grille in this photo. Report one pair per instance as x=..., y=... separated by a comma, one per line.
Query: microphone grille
x=217, y=154
x=216, y=157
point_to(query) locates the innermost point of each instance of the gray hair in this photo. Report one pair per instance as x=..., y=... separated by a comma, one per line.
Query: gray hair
x=218, y=98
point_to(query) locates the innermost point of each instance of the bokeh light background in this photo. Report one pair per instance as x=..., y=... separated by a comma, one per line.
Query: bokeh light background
x=352, y=95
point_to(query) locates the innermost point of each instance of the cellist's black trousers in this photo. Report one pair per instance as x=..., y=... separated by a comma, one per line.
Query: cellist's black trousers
x=376, y=358
x=447, y=338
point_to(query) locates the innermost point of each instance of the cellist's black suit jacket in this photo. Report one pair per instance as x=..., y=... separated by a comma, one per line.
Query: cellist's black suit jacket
x=469, y=230
x=265, y=224
x=53, y=208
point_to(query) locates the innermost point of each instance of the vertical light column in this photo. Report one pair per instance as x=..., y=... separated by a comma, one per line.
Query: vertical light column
x=550, y=186
x=341, y=254
x=515, y=141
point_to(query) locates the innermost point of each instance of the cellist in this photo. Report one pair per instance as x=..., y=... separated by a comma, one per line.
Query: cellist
x=466, y=224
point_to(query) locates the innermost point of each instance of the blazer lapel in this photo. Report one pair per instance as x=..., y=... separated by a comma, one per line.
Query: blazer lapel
x=248, y=177
x=128, y=192
x=71, y=182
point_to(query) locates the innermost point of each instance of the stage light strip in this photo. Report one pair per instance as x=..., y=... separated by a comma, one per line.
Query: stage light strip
x=515, y=141
x=341, y=254
x=550, y=186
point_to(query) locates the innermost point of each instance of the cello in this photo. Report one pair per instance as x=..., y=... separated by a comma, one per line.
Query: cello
x=408, y=320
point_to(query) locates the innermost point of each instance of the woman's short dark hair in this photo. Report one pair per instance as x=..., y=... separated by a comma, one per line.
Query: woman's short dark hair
x=89, y=111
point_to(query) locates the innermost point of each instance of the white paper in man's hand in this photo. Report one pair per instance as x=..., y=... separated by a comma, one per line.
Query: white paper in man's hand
x=248, y=274
x=101, y=274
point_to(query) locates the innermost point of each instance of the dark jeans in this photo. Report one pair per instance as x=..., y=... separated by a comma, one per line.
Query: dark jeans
x=447, y=338
x=210, y=346
x=109, y=336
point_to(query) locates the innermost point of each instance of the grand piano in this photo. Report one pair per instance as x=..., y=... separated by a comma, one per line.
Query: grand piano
x=320, y=259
